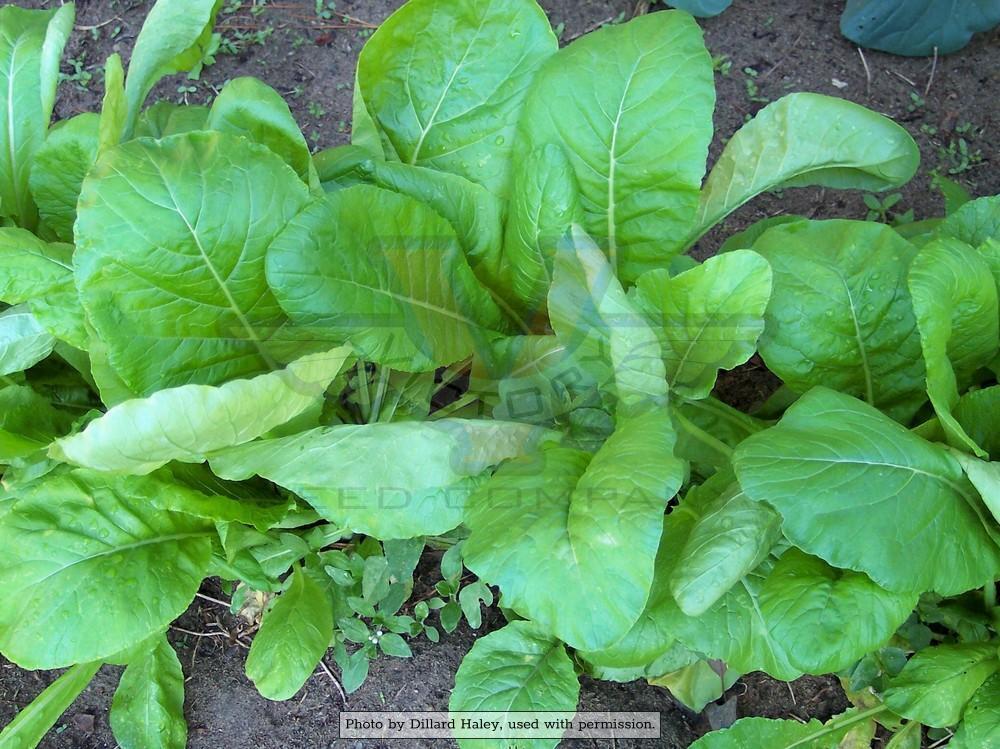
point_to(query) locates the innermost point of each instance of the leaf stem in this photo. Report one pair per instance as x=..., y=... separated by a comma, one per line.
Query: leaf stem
x=990, y=595
x=364, y=397
x=383, y=383
x=458, y=405
x=838, y=724
x=701, y=435
x=510, y=311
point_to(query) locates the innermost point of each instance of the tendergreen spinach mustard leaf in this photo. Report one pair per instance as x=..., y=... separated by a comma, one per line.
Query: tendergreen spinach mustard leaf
x=164, y=118
x=23, y=340
x=732, y=537
x=30, y=725
x=147, y=711
x=978, y=414
x=985, y=476
x=444, y=83
x=637, y=141
x=517, y=668
x=841, y=314
x=858, y=490
x=187, y=422
x=801, y=140
x=675, y=658
x=696, y=684
x=114, y=107
x=385, y=272
x=916, y=27
x=955, y=301
x=542, y=210
x=756, y=733
x=30, y=48
x=173, y=38
x=248, y=107
x=31, y=268
x=981, y=718
x=592, y=315
x=707, y=318
x=473, y=211
x=89, y=554
x=937, y=682
x=701, y=9
x=973, y=223
x=389, y=480
x=587, y=527
x=294, y=635
x=58, y=169
x=171, y=236
x=28, y=422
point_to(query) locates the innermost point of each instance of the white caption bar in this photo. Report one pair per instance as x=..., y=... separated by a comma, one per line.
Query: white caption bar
x=499, y=725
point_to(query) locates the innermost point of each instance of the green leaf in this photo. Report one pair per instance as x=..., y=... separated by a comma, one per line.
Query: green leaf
x=707, y=318
x=841, y=315
x=188, y=302
x=444, y=84
x=592, y=316
x=173, y=39
x=937, y=682
x=30, y=725
x=165, y=118
x=30, y=47
x=916, y=27
x=187, y=422
x=375, y=581
x=394, y=645
x=571, y=540
x=860, y=491
x=470, y=598
x=251, y=108
x=732, y=537
x=80, y=550
x=23, y=341
x=114, y=107
x=697, y=684
x=354, y=671
x=978, y=413
x=28, y=422
x=955, y=301
x=801, y=140
x=973, y=223
x=58, y=169
x=293, y=638
x=701, y=9
x=542, y=210
x=385, y=272
x=517, y=668
x=148, y=708
x=388, y=480
x=757, y=733
x=354, y=630
x=980, y=728
x=638, y=141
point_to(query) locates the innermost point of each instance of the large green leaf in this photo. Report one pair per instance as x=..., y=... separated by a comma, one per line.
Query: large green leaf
x=841, y=315
x=936, y=683
x=973, y=223
x=701, y=8
x=593, y=317
x=28, y=422
x=30, y=725
x=980, y=727
x=387, y=273
x=444, y=83
x=638, y=141
x=90, y=568
x=978, y=414
x=707, y=318
x=917, y=27
x=732, y=537
x=293, y=637
x=251, y=108
x=955, y=301
x=58, y=169
x=571, y=540
x=165, y=118
x=31, y=44
x=171, y=237
x=390, y=480
x=173, y=38
x=860, y=491
x=517, y=668
x=187, y=422
x=148, y=708
x=761, y=733
x=787, y=617
x=23, y=340
x=544, y=207
x=805, y=139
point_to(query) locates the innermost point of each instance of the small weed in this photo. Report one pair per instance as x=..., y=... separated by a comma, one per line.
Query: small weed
x=325, y=10
x=722, y=64
x=315, y=110
x=916, y=102
x=184, y=92
x=881, y=210
x=80, y=75
x=959, y=157
x=753, y=92
x=560, y=29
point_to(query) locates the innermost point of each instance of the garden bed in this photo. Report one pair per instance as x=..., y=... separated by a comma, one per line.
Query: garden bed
x=764, y=50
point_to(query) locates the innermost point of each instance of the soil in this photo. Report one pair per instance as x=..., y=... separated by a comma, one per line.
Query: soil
x=778, y=47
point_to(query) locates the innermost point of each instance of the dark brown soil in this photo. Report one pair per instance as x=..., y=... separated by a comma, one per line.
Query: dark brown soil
x=788, y=46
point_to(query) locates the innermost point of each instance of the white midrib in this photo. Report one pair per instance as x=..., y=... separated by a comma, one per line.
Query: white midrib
x=612, y=168
x=10, y=118
x=865, y=366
